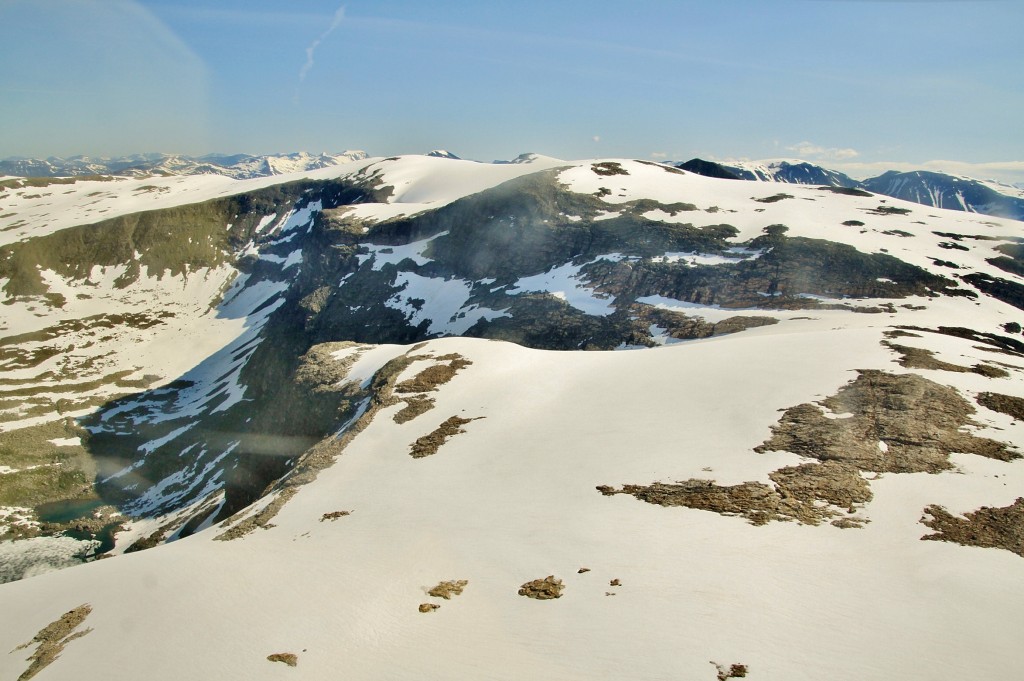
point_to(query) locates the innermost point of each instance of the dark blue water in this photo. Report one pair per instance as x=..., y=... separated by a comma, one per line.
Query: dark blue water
x=67, y=510
x=73, y=509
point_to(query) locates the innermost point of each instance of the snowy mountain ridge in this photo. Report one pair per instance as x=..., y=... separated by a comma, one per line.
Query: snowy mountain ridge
x=238, y=166
x=928, y=188
x=336, y=396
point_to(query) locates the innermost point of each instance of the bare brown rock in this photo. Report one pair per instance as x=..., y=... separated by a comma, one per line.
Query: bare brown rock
x=434, y=376
x=430, y=443
x=919, y=358
x=1001, y=528
x=809, y=493
x=543, y=589
x=334, y=515
x=735, y=671
x=446, y=590
x=414, y=406
x=290, y=659
x=1004, y=404
x=897, y=423
x=53, y=637
x=428, y=607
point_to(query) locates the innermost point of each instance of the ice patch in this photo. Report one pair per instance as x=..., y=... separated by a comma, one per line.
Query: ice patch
x=39, y=555
x=564, y=283
x=153, y=445
x=369, y=359
x=691, y=258
x=392, y=255
x=660, y=336
x=302, y=217
x=710, y=313
x=439, y=301
x=264, y=222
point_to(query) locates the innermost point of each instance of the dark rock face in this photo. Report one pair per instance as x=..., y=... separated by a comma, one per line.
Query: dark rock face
x=946, y=191
x=795, y=173
x=699, y=166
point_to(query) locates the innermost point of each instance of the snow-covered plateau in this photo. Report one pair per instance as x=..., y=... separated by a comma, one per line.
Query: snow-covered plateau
x=422, y=417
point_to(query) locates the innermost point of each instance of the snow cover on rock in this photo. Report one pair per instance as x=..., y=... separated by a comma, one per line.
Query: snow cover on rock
x=339, y=576
x=513, y=499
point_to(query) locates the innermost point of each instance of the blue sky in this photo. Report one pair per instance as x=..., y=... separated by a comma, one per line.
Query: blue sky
x=846, y=83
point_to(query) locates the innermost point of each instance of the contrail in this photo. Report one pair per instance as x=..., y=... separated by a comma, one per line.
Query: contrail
x=338, y=16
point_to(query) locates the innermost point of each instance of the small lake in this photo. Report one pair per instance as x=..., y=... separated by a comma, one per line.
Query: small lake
x=67, y=510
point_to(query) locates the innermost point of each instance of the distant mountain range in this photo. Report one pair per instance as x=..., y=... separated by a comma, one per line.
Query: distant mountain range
x=236, y=166
x=928, y=188
x=924, y=187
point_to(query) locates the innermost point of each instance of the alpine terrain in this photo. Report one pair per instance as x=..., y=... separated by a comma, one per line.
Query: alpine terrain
x=940, y=190
x=424, y=417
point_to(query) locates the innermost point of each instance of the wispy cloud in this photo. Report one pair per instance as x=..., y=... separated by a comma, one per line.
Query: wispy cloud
x=809, y=151
x=1002, y=171
x=659, y=155
x=339, y=14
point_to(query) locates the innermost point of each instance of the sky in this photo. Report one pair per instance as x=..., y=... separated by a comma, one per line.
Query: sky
x=857, y=85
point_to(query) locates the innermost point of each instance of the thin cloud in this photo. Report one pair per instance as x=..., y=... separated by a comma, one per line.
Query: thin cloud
x=596, y=138
x=1002, y=171
x=339, y=14
x=659, y=154
x=814, y=151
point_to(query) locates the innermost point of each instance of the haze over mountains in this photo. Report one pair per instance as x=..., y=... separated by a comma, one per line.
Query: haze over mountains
x=925, y=187
x=343, y=419
x=237, y=166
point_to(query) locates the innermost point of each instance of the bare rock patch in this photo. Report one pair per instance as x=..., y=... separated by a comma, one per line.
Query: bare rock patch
x=431, y=442
x=543, y=589
x=733, y=671
x=886, y=423
x=290, y=659
x=448, y=589
x=53, y=637
x=414, y=406
x=435, y=375
x=919, y=358
x=809, y=493
x=1001, y=528
x=1004, y=404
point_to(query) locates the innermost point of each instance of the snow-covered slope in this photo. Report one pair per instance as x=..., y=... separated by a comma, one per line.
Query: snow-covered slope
x=842, y=377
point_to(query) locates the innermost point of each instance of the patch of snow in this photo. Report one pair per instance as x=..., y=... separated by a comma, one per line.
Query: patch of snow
x=39, y=555
x=392, y=255
x=442, y=302
x=264, y=222
x=565, y=282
